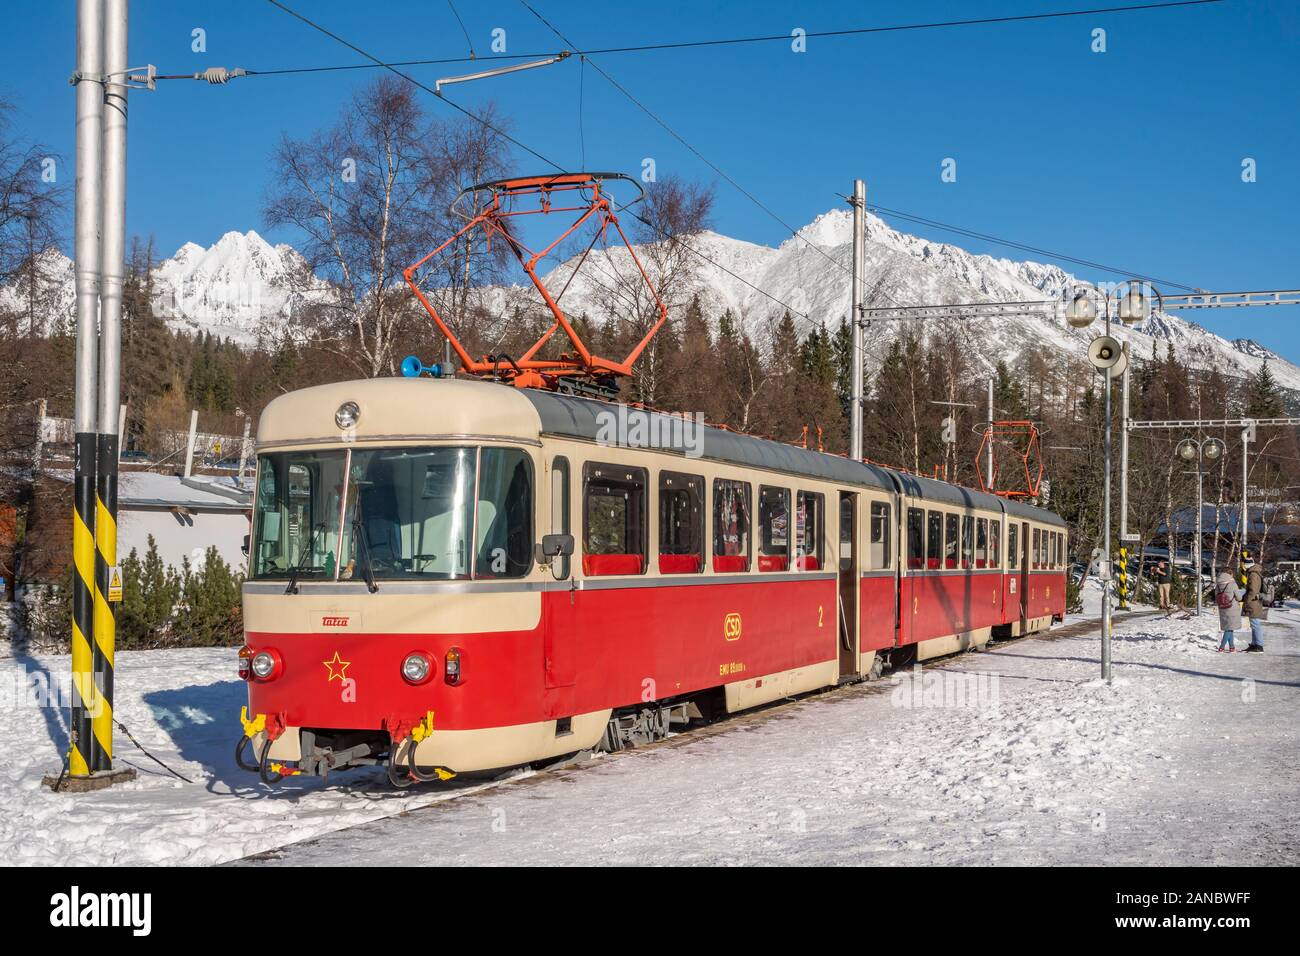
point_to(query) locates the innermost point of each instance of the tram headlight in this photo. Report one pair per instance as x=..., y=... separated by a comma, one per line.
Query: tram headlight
x=347, y=415
x=416, y=668
x=265, y=665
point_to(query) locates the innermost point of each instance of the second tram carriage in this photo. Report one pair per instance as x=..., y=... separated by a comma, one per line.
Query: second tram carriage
x=454, y=575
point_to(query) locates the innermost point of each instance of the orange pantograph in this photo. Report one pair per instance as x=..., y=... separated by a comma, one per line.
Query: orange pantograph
x=1023, y=436
x=584, y=194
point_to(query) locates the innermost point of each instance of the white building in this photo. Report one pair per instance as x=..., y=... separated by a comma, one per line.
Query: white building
x=186, y=516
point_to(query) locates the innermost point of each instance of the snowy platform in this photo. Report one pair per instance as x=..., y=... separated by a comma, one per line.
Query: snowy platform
x=1017, y=755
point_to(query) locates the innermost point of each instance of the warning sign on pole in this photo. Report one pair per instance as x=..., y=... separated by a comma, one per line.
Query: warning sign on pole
x=114, y=584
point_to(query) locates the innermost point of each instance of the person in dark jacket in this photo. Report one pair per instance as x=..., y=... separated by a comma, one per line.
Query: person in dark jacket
x=1165, y=583
x=1253, y=604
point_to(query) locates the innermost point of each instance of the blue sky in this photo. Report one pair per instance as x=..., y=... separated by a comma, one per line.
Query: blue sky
x=1130, y=157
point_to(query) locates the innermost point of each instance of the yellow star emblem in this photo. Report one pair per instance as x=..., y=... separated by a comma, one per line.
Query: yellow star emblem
x=337, y=668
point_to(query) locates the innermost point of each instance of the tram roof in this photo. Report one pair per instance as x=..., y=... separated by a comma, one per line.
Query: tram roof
x=571, y=417
x=423, y=407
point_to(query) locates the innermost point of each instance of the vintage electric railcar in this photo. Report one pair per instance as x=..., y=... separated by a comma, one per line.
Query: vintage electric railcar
x=455, y=575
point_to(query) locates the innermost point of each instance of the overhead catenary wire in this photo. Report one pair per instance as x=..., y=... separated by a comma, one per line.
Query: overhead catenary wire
x=681, y=139
x=523, y=146
x=584, y=56
x=741, y=40
x=1025, y=247
x=468, y=42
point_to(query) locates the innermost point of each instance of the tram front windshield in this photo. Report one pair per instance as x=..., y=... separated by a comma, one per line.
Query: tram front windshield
x=418, y=513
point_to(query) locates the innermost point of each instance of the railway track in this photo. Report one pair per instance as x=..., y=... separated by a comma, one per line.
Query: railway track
x=722, y=725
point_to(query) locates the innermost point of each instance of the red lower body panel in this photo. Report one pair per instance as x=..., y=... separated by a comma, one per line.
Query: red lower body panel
x=593, y=649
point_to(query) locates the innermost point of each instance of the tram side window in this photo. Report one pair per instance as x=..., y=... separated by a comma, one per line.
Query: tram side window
x=1059, y=551
x=915, y=538
x=730, y=525
x=808, y=531
x=933, y=539
x=504, y=524
x=967, y=542
x=681, y=523
x=880, y=535
x=846, y=533
x=613, y=519
x=982, y=543
x=773, y=528
x=1046, y=548
x=995, y=541
x=1013, y=546
x=560, y=511
x=297, y=519
x=950, y=541
x=1036, y=550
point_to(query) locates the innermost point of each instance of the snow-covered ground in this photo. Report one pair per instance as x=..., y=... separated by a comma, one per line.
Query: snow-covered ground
x=1189, y=757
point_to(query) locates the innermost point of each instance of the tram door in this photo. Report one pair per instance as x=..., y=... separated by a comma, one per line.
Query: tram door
x=560, y=621
x=848, y=584
x=1024, y=576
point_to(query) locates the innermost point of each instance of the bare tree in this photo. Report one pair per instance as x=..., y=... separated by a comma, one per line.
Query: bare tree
x=369, y=195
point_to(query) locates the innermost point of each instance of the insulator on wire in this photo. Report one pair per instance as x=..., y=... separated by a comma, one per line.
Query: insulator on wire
x=216, y=75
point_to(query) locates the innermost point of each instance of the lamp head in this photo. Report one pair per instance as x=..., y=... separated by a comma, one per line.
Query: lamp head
x=1081, y=311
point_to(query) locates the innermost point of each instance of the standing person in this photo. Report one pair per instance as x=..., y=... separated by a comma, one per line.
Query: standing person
x=1164, y=581
x=1253, y=604
x=1227, y=595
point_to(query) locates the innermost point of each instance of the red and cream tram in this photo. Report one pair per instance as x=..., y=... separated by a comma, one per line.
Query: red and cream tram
x=452, y=575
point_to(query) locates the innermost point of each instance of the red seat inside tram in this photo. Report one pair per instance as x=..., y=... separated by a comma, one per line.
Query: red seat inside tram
x=597, y=565
x=680, y=564
x=772, y=562
x=808, y=562
x=729, y=563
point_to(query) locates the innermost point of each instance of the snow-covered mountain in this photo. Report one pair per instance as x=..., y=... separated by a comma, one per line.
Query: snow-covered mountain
x=238, y=289
x=235, y=289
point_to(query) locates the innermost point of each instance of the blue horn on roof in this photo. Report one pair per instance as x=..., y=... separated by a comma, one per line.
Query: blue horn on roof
x=412, y=367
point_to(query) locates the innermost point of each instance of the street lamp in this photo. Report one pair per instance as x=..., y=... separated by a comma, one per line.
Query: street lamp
x=1190, y=450
x=1104, y=353
x=1081, y=311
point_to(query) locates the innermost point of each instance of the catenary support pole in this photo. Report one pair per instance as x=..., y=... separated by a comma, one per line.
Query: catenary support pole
x=1245, y=491
x=859, y=203
x=989, y=464
x=90, y=101
x=1105, y=547
x=1123, y=448
x=1200, y=507
x=113, y=273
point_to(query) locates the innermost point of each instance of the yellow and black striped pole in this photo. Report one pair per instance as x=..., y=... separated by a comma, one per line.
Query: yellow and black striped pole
x=107, y=592
x=1123, y=579
x=82, y=758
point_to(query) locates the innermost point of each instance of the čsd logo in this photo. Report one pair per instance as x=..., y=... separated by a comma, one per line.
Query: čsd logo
x=731, y=626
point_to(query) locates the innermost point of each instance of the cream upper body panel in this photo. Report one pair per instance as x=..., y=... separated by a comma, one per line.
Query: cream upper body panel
x=399, y=410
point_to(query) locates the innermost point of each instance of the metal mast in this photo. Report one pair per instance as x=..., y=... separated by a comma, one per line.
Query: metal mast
x=113, y=267
x=82, y=757
x=859, y=203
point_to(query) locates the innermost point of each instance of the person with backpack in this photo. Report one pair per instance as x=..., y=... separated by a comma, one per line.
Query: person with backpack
x=1227, y=595
x=1253, y=606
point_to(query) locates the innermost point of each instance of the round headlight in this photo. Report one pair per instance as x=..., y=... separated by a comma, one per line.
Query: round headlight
x=347, y=415
x=263, y=664
x=415, y=668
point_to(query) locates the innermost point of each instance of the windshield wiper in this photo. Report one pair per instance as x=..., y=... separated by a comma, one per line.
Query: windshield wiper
x=363, y=539
x=302, y=561
x=367, y=568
